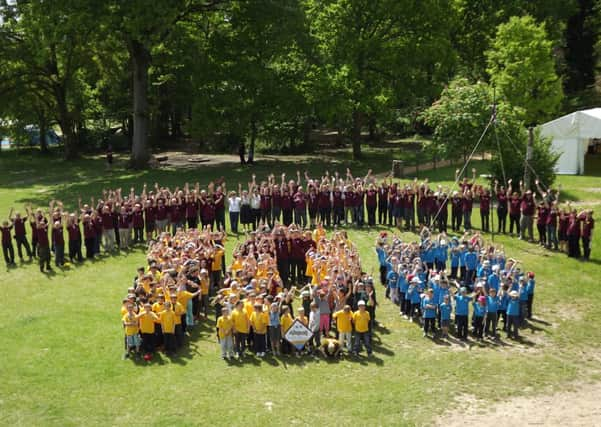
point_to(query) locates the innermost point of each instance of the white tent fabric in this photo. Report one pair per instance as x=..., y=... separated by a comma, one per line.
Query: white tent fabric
x=571, y=135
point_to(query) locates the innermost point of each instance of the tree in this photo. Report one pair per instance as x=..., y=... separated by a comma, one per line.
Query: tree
x=459, y=118
x=373, y=54
x=143, y=25
x=522, y=68
x=44, y=57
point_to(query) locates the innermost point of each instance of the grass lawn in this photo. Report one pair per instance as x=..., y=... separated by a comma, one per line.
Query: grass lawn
x=60, y=358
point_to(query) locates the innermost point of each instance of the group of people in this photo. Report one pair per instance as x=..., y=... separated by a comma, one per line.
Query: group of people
x=259, y=297
x=481, y=281
x=270, y=288
x=117, y=220
x=171, y=294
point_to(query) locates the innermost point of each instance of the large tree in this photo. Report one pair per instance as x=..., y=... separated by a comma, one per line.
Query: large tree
x=44, y=54
x=375, y=53
x=522, y=67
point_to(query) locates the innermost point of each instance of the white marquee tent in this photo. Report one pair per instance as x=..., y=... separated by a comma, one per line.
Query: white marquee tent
x=571, y=135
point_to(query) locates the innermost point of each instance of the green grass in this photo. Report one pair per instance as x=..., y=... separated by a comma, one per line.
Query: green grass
x=60, y=358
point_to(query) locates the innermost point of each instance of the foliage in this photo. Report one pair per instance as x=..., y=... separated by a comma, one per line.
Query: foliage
x=522, y=67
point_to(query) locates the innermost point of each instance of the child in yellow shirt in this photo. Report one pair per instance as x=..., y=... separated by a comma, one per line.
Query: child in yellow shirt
x=361, y=320
x=285, y=323
x=259, y=321
x=147, y=320
x=132, y=337
x=167, y=319
x=225, y=331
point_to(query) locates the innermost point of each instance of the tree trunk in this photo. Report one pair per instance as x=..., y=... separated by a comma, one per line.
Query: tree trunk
x=43, y=130
x=140, y=59
x=356, y=135
x=66, y=124
x=372, y=128
x=253, y=138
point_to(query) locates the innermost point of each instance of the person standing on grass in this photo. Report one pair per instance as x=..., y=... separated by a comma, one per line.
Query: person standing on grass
x=462, y=312
x=131, y=327
x=58, y=241
x=20, y=234
x=43, y=244
x=530, y=285
x=573, y=234
x=383, y=203
x=588, y=224
x=7, y=245
x=551, y=226
x=361, y=320
x=429, y=310
x=167, y=320
x=225, y=330
x=527, y=209
x=479, y=314
x=513, y=314
x=147, y=321
x=74, y=233
x=484, y=201
x=542, y=214
x=456, y=211
x=502, y=207
x=259, y=321
x=275, y=332
x=241, y=328
x=445, y=310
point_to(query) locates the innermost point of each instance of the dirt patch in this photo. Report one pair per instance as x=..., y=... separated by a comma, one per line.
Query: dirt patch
x=577, y=406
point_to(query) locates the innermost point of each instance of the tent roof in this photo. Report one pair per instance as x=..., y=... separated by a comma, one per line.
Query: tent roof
x=579, y=124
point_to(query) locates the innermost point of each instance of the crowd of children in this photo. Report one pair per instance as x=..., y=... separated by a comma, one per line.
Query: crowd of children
x=117, y=220
x=418, y=279
x=264, y=290
x=285, y=274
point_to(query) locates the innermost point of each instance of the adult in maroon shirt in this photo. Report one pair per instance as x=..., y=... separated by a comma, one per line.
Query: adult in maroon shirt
x=276, y=203
x=551, y=225
x=313, y=205
x=527, y=210
x=573, y=233
x=422, y=208
x=20, y=235
x=484, y=202
x=409, y=209
x=467, y=204
x=542, y=213
x=207, y=213
x=325, y=205
x=287, y=206
x=149, y=219
x=382, y=203
x=137, y=222
x=514, y=210
x=562, y=230
x=456, y=211
x=97, y=220
x=266, y=208
x=191, y=207
x=282, y=252
x=124, y=222
x=7, y=244
x=300, y=208
x=161, y=215
x=89, y=236
x=349, y=203
x=74, y=234
x=588, y=224
x=297, y=258
x=58, y=242
x=371, y=203
x=359, y=206
x=43, y=244
x=502, y=207
x=219, y=204
x=337, y=206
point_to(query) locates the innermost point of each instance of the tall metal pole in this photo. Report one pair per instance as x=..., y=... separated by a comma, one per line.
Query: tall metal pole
x=528, y=158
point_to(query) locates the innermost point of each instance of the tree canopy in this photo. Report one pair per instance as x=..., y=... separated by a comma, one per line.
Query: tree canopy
x=222, y=72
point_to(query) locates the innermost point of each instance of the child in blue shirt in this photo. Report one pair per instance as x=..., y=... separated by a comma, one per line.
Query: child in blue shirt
x=445, y=315
x=523, y=291
x=415, y=291
x=471, y=263
x=382, y=261
x=392, y=279
x=492, y=307
x=530, y=289
x=513, y=314
x=441, y=254
x=461, y=312
x=502, y=307
x=403, y=286
x=429, y=310
x=479, y=313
